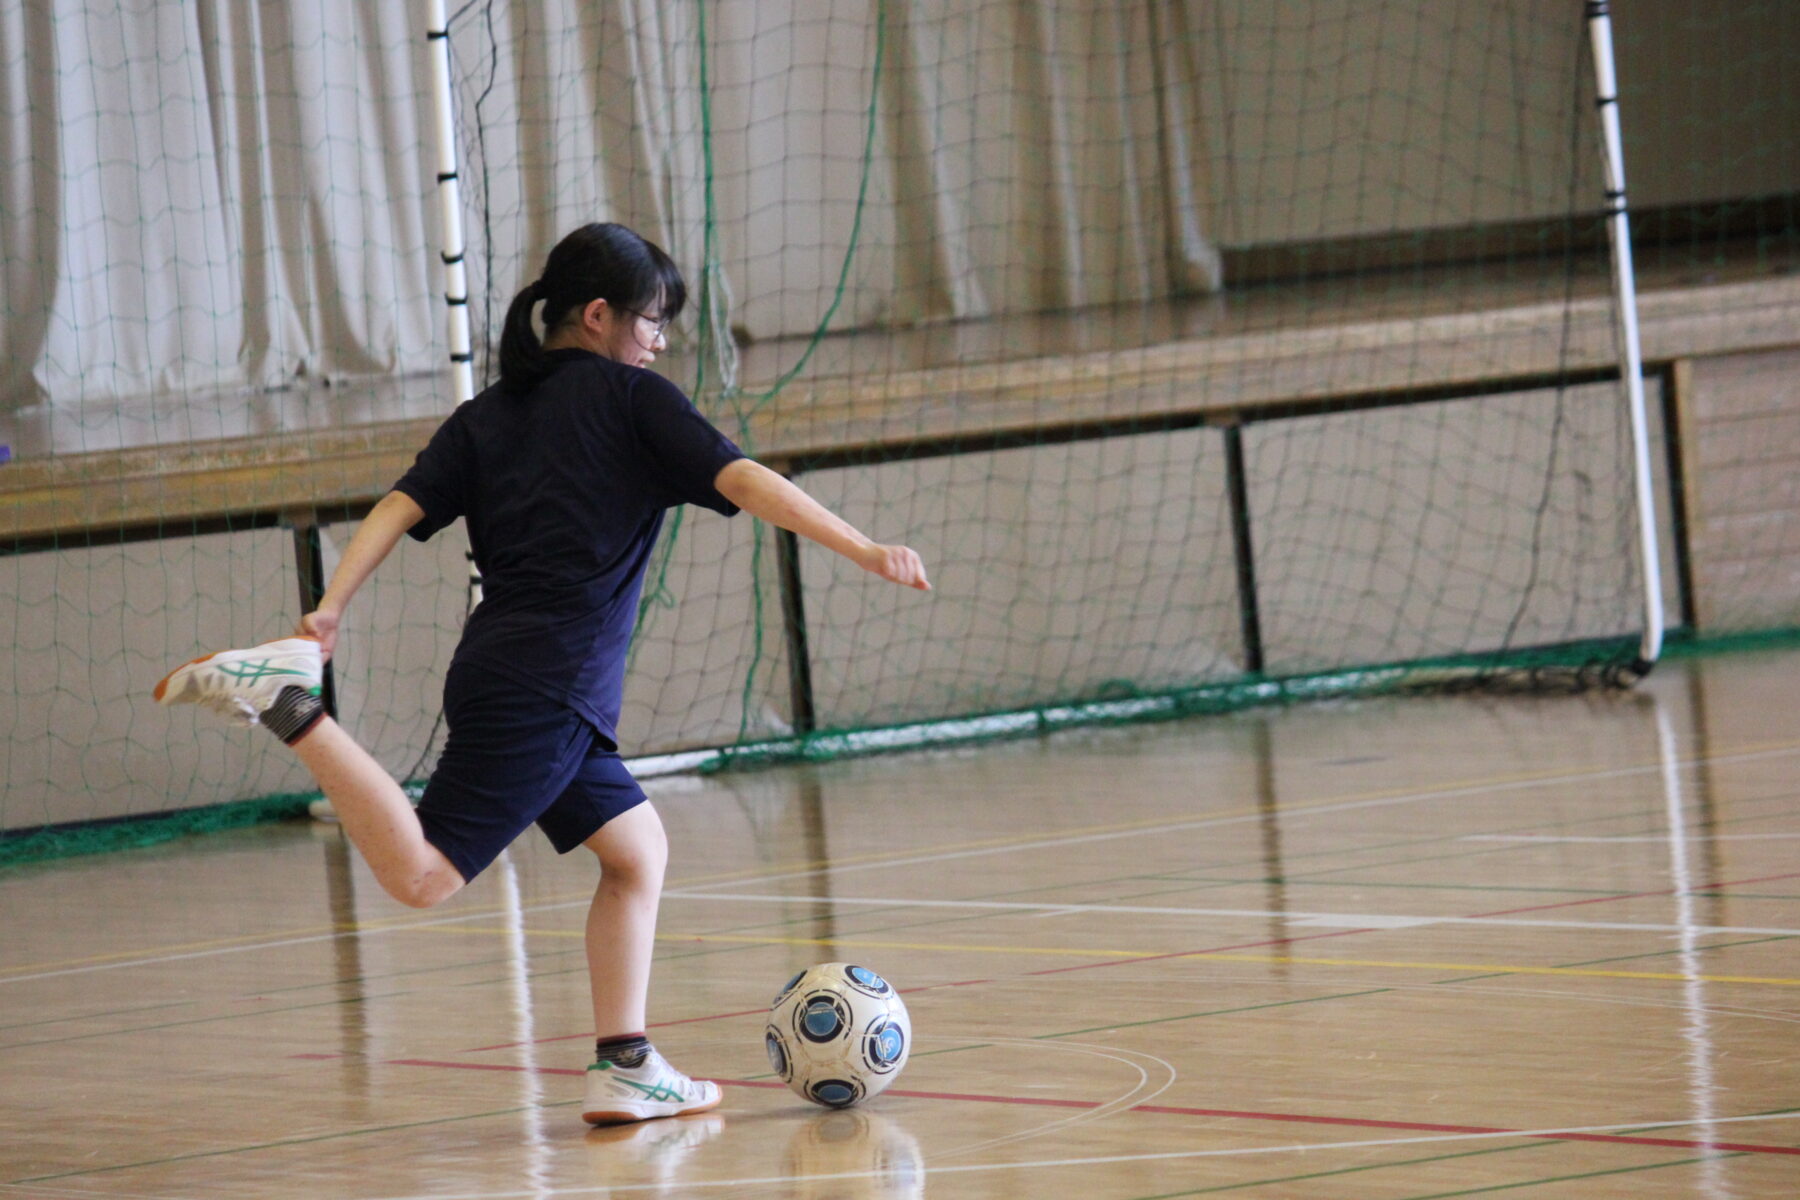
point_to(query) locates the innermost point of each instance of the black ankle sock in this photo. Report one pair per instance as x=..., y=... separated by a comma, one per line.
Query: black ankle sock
x=626, y=1050
x=295, y=711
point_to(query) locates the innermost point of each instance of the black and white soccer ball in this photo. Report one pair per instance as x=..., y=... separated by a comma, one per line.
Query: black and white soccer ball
x=838, y=1034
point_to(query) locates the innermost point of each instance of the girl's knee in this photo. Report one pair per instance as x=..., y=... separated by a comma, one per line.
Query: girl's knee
x=632, y=848
x=425, y=891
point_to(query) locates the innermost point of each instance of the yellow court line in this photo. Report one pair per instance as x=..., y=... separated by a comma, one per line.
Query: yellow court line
x=399, y=921
x=1244, y=810
x=1283, y=959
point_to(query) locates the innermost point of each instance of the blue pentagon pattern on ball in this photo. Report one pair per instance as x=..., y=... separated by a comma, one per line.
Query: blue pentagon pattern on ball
x=883, y=1045
x=867, y=981
x=835, y=1093
x=778, y=1058
x=822, y=1017
x=787, y=989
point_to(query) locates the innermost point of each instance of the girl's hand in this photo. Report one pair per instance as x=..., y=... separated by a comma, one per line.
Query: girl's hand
x=323, y=625
x=897, y=564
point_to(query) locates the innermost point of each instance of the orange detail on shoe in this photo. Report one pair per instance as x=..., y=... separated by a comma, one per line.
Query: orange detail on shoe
x=163, y=684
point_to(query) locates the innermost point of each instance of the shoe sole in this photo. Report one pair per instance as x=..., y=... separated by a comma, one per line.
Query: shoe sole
x=620, y=1116
x=162, y=685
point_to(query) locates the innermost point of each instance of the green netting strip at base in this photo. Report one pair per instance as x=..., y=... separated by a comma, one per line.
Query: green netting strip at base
x=1572, y=666
x=1567, y=667
x=129, y=833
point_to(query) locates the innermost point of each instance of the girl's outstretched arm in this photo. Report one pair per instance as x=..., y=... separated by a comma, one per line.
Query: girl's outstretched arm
x=373, y=541
x=764, y=494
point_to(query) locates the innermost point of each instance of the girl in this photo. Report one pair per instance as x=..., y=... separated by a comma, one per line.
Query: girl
x=563, y=471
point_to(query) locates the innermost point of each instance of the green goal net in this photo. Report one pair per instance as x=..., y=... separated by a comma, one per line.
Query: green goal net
x=1210, y=353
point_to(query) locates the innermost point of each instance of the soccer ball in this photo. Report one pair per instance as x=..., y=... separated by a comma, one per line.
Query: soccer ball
x=838, y=1034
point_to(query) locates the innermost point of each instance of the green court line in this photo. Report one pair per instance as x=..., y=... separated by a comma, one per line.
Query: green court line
x=1216, y=1012
x=1594, y=962
x=99, y=1016
x=298, y=1141
x=1506, y=1187
x=79, y=1037
x=1410, y=1162
x=1447, y=887
x=1529, y=826
x=1385, y=1166
x=384, y=975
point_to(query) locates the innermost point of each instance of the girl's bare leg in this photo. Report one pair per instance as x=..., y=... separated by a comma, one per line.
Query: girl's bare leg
x=378, y=817
x=621, y=922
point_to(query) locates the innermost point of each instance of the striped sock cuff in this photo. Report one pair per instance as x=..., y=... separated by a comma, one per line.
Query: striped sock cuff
x=627, y=1050
x=295, y=711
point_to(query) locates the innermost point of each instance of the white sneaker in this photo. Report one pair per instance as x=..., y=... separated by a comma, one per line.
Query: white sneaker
x=241, y=684
x=616, y=1095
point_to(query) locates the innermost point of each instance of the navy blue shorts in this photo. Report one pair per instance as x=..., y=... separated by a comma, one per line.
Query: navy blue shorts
x=514, y=757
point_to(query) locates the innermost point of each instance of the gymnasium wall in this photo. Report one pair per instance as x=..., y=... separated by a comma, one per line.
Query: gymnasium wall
x=92, y=249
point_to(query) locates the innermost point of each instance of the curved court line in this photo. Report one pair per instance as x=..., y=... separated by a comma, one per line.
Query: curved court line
x=1139, y=1093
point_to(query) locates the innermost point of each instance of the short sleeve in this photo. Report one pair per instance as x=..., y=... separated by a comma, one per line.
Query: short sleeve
x=686, y=453
x=438, y=478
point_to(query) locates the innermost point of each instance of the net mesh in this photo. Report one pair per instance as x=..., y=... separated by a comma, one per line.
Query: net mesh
x=1210, y=354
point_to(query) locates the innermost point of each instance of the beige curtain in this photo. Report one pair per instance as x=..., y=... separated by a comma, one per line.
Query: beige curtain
x=218, y=196
x=211, y=195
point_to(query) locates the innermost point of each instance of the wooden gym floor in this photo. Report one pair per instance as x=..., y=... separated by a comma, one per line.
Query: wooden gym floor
x=1396, y=949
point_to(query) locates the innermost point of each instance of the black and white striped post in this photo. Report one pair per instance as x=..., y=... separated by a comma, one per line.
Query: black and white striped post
x=456, y=280
x=1631, y=365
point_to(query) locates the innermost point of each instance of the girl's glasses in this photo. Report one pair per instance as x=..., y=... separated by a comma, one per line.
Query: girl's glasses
x=659, y=325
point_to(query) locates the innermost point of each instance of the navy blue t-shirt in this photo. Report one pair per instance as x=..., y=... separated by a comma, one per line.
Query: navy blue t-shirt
x=564, y=489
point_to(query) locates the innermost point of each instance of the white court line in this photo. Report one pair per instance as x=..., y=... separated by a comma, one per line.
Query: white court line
x=1258, y=817
x=1660, y=837
x=1009, y=848
x=1638, y=1127
x=1311, y=920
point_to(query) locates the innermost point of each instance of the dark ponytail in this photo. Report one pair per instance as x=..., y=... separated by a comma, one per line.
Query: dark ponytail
x=521, y=353
x=596, y=262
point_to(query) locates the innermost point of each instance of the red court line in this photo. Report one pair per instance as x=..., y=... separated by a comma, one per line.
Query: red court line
x=1169, y=1109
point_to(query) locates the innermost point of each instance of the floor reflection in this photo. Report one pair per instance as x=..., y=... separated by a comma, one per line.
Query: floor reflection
x=850, y=1154
x=652, y=1152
